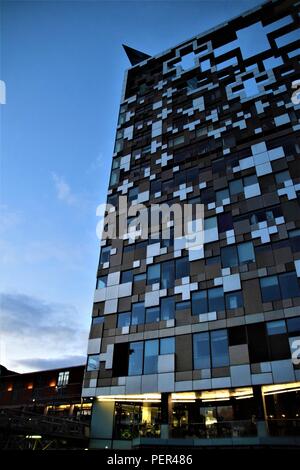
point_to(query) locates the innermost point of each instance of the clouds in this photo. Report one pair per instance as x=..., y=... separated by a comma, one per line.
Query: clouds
x=44, y=364
x=63, y=190
x=37, y=334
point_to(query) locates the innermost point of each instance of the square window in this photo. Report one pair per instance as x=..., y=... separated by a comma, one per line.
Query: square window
x=293, y=325
x=269, y=288
x=183, y=305
x=289, y=285
x=294, y=236
x=152, y=315
x=225, y=222
x=93, y=362
x=276, y=327
x=246, y=252
x=234, y=300
x=101, y=282
x=167, y=345
x=140, y=277
x=126, y=276
x=124, y=319
x=133, y=193
x=282, y=176
x=236, y=187
x=237, y=335
x=221, y=196
x=229, y=256
x=98, y=320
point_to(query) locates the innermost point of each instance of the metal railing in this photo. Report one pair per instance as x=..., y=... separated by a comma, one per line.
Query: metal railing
x=14, y=421
x=132, y=431
x=284, y=427
x=220, y=429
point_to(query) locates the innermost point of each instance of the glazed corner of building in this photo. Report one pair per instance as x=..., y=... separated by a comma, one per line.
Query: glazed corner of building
x=243, y=99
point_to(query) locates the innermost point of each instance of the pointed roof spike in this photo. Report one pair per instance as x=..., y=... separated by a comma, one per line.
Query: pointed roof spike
x=134, y=56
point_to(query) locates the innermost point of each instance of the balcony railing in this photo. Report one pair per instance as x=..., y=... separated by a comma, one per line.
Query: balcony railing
x=284, y=427
x=132, y=431
x=219, y=429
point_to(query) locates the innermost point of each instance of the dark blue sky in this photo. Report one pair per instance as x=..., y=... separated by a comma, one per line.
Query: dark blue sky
x=63, y=65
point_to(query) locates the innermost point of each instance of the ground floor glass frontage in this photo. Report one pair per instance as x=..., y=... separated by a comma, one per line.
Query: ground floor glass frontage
x=211, y=414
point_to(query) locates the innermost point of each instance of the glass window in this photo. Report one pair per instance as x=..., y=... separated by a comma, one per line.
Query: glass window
x=282, y=177
x=140, y=277
x=152, y=315
x=276, y=327
x=212, y=260
x=136, y=358
x=229, y=256
x=126, y=276
x=219, y=348
x=293, y=325
x=167, y=186
x=129, y=248
x=199, y=302
x=167, y=345
x=124, y=319
x=182, y=268
x=289, y=285
x=105, y=252
x=133, y=193
x=216, y=299
x=250, y=180
x=151, y=356
x=93, y=362
x=101, y=282
x=153, y=274
x=221, y=196
x=167, y=275
x=234, y=300
x=236, y=187
x=183, y=305
x=63, y=378
x=98, y=320
x=167, y=308
x=225, y=222
x=269, y=288
x=138, y=313
x=294, y=236
x=115, y=174
x=201, y=350
x=246, y=252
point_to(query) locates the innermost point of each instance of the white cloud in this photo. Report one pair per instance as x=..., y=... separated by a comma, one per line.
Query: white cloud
x=96, y=164
x=37, y=334
x=63, y=190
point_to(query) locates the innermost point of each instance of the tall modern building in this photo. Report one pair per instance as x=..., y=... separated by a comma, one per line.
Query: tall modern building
x=203, y=345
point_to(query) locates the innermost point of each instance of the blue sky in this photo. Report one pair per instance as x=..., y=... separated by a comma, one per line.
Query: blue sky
x=63, y=66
